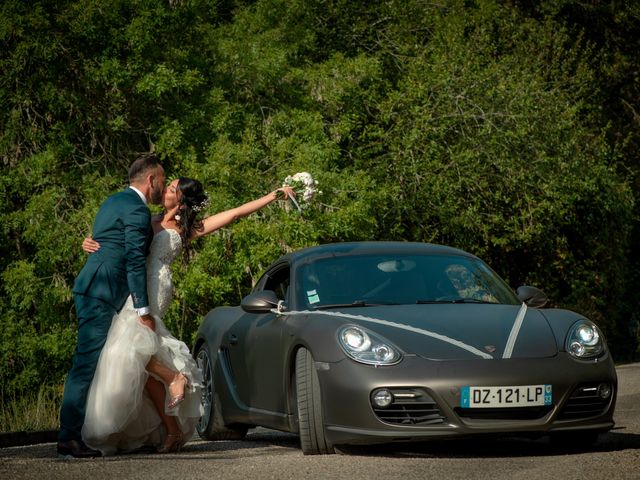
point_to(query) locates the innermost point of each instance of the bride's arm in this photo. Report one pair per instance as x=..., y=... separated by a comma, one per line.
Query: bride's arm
x=89, y=245
x=222, y=219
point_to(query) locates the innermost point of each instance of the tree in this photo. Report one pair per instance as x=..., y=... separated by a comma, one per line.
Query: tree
x=485, y=125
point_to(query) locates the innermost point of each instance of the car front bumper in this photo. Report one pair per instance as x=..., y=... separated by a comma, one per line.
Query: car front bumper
x=349, y=417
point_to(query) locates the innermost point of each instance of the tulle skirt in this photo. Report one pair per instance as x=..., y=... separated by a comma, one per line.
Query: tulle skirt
x=120, y=416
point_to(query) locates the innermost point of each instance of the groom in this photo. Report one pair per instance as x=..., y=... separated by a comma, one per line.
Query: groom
x=122, y=226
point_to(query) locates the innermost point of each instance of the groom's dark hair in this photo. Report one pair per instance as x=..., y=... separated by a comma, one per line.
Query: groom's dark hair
x=141, y=166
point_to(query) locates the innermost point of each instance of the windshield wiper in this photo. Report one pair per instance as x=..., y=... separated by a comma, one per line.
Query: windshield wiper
x=357, y=303
x=451, y=300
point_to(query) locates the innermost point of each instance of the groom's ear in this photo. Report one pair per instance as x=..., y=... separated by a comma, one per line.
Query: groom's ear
x=151, y=179
x=156, y=175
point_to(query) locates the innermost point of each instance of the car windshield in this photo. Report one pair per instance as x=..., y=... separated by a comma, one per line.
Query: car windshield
x=368, y=280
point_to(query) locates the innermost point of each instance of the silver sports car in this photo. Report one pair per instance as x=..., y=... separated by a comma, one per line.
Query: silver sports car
x=375, y=342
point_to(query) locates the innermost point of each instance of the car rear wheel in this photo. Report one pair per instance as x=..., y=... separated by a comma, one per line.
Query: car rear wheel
x=211, y=425
x=309, y=404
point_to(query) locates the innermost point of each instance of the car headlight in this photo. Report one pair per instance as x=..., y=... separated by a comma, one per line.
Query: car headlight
x=584, y=340
x=367, y=347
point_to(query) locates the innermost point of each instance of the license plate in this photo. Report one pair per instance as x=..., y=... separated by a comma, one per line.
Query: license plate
x=501, y=397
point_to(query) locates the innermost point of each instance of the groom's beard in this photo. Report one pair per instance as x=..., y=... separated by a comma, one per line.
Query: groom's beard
x=156, y=196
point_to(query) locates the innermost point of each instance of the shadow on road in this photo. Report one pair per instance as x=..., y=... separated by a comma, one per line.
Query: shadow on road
x=264, y=441
x=496, y=447
x=259, y=442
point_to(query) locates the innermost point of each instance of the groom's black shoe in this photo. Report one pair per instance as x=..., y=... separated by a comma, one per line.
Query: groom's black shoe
x=77, y=449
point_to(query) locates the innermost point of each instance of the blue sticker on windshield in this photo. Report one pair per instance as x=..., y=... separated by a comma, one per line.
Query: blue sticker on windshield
x=312, y=296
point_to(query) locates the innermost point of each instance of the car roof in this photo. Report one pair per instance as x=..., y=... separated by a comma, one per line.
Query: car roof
x=369, y=247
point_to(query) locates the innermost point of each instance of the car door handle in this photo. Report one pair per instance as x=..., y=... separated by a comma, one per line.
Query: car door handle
x=233, y=339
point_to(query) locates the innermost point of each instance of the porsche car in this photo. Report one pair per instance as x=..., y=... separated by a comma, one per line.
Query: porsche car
x=378, y=342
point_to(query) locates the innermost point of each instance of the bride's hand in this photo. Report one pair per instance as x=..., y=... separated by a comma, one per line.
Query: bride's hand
x=89, y=245
x=286, y=192
x=148, y=321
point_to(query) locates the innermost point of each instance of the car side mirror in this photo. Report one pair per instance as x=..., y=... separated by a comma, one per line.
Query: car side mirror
x=260, y=302
x=532, y=296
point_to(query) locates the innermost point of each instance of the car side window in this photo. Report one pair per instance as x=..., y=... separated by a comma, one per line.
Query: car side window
x=278, y=281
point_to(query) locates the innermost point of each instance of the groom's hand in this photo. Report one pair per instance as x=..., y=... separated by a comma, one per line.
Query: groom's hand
x=148, y=321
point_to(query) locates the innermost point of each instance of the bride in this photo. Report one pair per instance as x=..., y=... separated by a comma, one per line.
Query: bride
x=147, y=387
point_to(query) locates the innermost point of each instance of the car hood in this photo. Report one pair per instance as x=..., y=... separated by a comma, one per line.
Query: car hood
x=458, y=331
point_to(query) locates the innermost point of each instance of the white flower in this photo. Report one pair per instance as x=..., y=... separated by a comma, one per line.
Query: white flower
x=305, y=187
x=202, y=205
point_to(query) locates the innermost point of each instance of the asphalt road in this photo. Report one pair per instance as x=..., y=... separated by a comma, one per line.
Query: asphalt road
x=266, y=454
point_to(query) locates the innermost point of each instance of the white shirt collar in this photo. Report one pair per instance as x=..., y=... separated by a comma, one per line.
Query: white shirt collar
x=140, y=194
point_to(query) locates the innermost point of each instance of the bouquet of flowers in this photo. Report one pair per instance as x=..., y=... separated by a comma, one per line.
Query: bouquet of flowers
x=305, y=187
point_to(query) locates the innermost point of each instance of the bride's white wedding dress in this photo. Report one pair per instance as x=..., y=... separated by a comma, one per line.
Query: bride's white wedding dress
x=120, y=416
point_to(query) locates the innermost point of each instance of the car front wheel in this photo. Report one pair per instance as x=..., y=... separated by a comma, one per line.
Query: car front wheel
x=309, y=404
x=211, y=425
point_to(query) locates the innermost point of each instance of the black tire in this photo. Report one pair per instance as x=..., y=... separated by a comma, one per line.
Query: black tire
x=309, y=404
x=211, y=425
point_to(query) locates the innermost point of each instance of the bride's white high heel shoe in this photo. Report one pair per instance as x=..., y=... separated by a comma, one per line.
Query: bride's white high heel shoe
x=179, y=398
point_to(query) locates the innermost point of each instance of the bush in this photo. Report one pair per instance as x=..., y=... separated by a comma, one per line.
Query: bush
x=480, y=125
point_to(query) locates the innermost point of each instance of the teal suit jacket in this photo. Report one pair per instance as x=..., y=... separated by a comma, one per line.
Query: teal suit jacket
x=123, y=229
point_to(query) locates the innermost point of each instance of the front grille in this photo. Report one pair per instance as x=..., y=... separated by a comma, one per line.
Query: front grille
x=512, y=413
x=410, y=406
x=584, y=402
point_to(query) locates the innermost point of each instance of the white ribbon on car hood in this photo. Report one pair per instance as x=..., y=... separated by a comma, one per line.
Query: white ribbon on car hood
x=515, y=330
x=437, y=336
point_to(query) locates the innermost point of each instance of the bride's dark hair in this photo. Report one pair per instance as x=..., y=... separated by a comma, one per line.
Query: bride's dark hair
x=192, y=201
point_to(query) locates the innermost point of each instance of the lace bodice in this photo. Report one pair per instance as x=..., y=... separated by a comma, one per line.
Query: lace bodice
x=165, y=247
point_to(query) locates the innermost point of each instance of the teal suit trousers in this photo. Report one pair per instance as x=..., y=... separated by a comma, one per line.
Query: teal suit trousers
x=94, y=317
